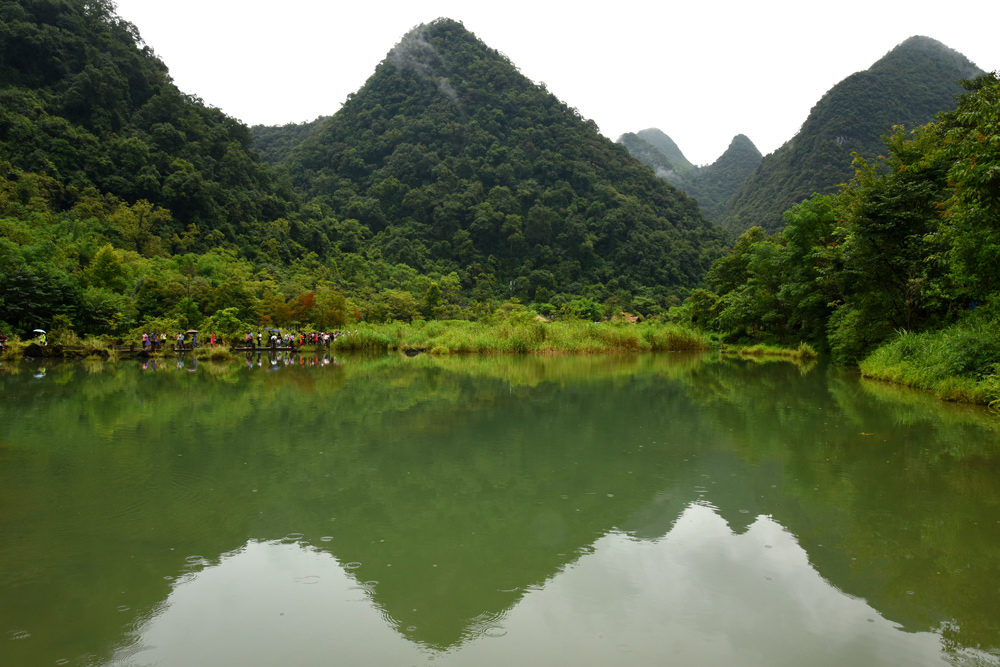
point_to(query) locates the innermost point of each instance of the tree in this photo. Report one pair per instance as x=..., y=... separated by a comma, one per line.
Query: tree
x=972, y=225
x=889, y=271
x=330, y=311
x=431, y=305
x=107, y=270
x=808, y=286
x=187, y=313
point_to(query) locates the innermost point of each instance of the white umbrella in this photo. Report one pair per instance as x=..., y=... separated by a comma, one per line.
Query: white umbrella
x=39, y=330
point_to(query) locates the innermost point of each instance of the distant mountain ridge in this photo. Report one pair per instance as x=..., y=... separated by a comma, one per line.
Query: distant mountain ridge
x=908, y=86
x=712, y=185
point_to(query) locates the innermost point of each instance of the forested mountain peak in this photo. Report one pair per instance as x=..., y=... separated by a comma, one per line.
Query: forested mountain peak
x=934, y=53
x=653, y=158
x=741, y=142
x=711, y=185
x=666, y=145
x=908, y=86
x=450, y=160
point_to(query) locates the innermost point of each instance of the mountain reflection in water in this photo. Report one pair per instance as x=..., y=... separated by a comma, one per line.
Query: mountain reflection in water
x=700, y=595
x=594, y=510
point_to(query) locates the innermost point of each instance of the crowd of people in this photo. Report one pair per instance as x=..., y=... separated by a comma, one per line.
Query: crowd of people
x=270, y=338
x=274, y=338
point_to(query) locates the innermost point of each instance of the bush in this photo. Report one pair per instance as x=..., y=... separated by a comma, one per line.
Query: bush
x=959, y=362
x=852, y=336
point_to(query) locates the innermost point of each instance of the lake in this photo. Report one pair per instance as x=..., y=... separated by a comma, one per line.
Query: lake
x=587, y=510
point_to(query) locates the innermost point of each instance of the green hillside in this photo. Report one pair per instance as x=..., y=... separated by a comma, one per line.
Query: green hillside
x=274, y=143
x=908, y=86
x=661, y=142
x=450, y=160
x=87, y=108
x=897, y=271
x=447, y=185
x=711, y=185
x=650, y=155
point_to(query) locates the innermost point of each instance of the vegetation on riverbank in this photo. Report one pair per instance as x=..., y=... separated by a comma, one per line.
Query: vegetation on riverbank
x=896, y=272
x=518, y=332
x=422, y=222
x=522, y=333
x=958, y=363
x=803, y=352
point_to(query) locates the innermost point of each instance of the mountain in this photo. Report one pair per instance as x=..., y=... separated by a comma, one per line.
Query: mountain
x=715, y=184
x=668, y=148
x=449, y=180
x=274, y=143
x=450, y=160
x=908, y=86
x=650, y=155
x=711, y=185
x=87, y=110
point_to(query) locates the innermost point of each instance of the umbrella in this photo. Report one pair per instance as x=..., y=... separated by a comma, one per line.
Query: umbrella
x=191, y=331
x=39, y=330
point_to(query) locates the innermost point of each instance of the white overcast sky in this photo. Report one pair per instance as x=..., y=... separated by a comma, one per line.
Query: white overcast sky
x=702, y=71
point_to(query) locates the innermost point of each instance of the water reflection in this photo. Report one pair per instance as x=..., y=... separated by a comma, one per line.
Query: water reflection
x=493, y=509
x=696, y=596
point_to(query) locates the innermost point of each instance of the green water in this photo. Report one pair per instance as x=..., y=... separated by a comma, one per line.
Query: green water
x=627, y=510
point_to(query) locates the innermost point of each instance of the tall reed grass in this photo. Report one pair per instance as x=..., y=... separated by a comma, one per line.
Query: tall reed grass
x=958, y=363
x=521, y=335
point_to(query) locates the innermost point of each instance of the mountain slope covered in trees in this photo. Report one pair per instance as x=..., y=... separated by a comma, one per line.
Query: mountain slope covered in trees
x=86, y=109
x=712, y=185
x=449, y=160
x=447, y=185
x=896, y=270
x=908, y=86
x=652, y=157
x=661, y=142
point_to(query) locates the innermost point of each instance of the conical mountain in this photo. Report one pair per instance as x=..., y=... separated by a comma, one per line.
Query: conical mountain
x=668, y=147
x=650, y=155
x=715, y=184
x=711, y=185
x=908, y=86
x=450, y=160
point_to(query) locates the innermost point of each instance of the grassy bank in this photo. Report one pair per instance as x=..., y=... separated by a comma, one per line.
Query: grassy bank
x=521, y=336
x=803, y=352
x=516, y=333
x=959, y=363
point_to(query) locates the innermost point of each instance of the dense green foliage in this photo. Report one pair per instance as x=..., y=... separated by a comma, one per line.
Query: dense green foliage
x=275, y=143
x=85, y=105
x=911, y=244
x=649, y=155
x=958, y=362
x=450, y=160
x=126, y=203
x=668, y=148
x=712, y=185
x=910, y=84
